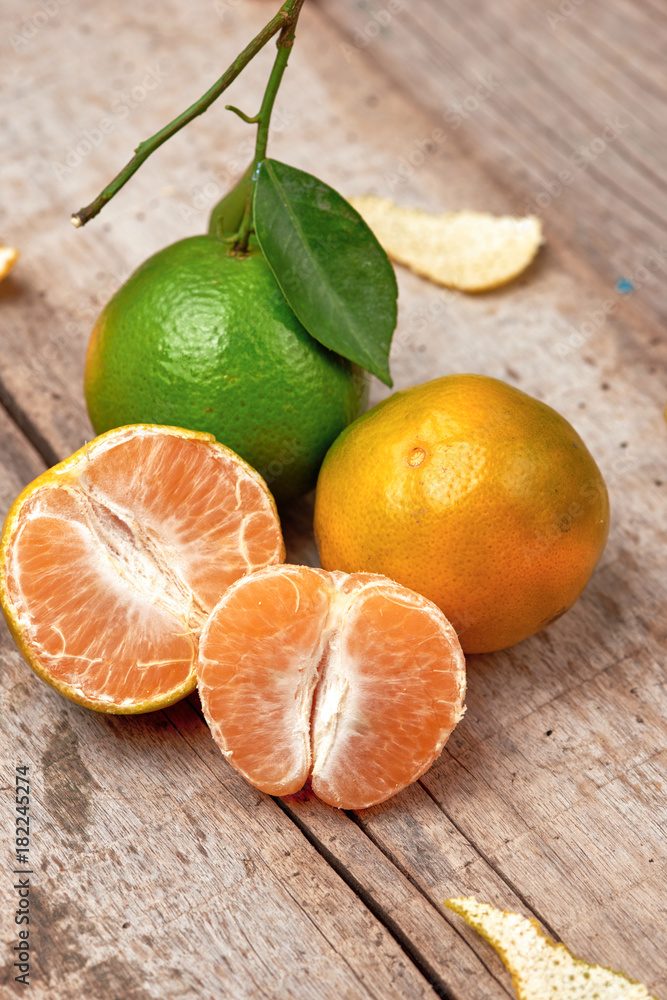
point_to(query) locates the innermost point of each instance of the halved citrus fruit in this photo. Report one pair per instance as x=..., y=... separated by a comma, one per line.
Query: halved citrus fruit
x=351, y=681
x=111, y=561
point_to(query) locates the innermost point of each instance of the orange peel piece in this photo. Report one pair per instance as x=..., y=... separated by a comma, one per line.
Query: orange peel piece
x=540, y=968
x=471, y=251
x=8, y=257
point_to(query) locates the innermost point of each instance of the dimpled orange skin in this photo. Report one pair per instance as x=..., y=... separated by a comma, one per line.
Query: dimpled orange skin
x=475, y=495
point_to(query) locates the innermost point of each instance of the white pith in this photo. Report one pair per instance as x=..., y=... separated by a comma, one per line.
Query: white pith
x=331, y=690
x=142, y=560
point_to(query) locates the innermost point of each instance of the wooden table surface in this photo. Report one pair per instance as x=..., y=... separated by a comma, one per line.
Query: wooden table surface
x=158, y=872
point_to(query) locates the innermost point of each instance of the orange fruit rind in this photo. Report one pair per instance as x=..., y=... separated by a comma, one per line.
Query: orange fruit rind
x=8, y=257
x=471, y=251
x=111, y=560
x=472, y=493
x=541, y=969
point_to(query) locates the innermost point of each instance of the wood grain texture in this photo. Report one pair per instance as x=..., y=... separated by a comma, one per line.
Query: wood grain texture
x=549, y=797
x=546, y=774
x=160, y=872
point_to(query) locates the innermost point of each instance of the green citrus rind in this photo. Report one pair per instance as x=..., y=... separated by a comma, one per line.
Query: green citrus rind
x=203, y=339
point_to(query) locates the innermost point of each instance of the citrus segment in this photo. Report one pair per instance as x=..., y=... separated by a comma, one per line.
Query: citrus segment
x=257, y=674
x=112, y=560
x=353, y=681
x=389, y=697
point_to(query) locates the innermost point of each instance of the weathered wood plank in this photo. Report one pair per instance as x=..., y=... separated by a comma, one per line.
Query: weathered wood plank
x=20, y=463
x=157, y=871
x=45, y=326
x=527, y=102
x=416, y=902
x=544, y=810
x=503, y=787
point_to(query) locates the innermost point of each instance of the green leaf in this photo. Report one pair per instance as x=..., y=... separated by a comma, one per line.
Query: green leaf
x=227, y=215
x=329, y=265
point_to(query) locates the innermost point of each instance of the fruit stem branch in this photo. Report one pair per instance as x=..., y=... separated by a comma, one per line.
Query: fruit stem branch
x=242, y=115
x=263, y=118
x=283, y=21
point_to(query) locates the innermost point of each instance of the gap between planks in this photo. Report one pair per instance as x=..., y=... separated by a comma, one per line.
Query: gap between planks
x=487, y=861
x=26, y=427
x=365, y=895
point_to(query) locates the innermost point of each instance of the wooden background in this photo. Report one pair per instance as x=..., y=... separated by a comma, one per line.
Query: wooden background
x=159, y=873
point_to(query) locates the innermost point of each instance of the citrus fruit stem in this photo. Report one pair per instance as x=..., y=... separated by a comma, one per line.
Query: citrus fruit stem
x=284, y=22
x=263, y=119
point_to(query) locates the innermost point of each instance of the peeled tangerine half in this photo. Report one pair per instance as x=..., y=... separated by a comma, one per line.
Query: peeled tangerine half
x=351, y=681
x=111, y=561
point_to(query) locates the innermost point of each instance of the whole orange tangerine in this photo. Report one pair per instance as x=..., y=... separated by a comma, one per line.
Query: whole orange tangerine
x=472, y=493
